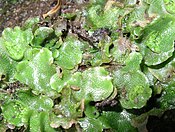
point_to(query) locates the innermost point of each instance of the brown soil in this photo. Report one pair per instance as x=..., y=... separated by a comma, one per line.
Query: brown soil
x=16, y=14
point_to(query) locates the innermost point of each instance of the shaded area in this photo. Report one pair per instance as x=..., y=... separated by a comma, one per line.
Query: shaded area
x=165, y=123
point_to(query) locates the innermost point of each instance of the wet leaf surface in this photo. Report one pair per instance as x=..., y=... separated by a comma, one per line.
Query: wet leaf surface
x=28, y=109
x=70, y=53
x=117, y=121
x=160, y=44
x=16, y=41
x=37, y=72
x=95, y=84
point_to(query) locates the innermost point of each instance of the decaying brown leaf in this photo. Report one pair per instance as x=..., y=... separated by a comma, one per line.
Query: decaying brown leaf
x=54, y=10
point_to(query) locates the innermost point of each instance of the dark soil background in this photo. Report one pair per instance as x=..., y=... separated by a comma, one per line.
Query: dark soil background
x=16, y=12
